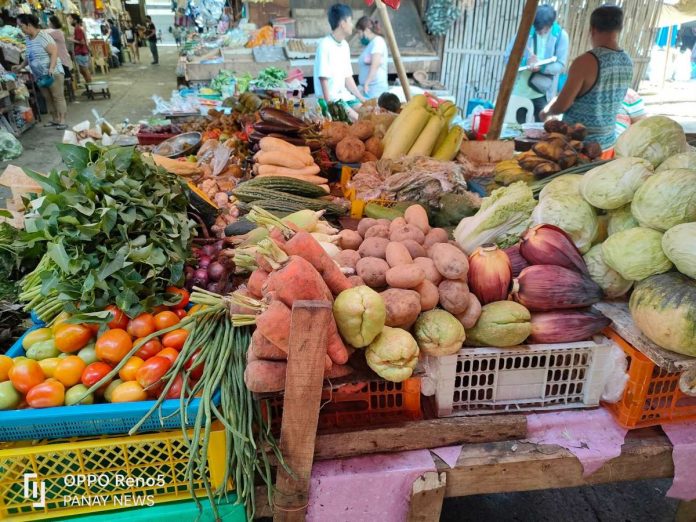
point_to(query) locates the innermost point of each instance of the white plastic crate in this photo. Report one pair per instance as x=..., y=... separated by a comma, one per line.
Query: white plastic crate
x=479, y=381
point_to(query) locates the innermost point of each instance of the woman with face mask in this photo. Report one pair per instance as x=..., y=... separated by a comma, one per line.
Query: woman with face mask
x=373, y=61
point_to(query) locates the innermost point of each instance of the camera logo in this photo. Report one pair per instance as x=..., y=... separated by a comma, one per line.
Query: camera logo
x=35, y=490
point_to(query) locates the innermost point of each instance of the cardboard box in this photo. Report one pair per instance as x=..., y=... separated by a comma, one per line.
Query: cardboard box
x=19, y=184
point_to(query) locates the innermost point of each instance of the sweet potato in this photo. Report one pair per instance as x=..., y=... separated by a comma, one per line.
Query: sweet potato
x=472, y=313
x=398, y=254
x=263, y=348
x=403, y=307
x=356, y=281
x=265, y=376
x=350, y=150
x=347, y=258
x=449, y=260
x=429, y=296
x=373, y=271
x=414, y=248
x=256, y=281
x=349, y=239
x=377, y=231
x=436, y=235
x=405, y=276
x=374, y=247
x=365, y=224
x=417, y=216
x=428, y=266
x=454, y=296
x=396, y=223
x=407, y=232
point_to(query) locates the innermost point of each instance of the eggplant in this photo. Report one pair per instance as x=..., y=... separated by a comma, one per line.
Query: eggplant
x=256, y=136
x=278, y=117
x=267, y=128
x=240, y=227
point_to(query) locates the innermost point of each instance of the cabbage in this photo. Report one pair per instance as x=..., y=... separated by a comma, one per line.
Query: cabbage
x=655, y=139
x=685, y=160
x=679, y=245
x=613, y=184
x=438, y=333
x=566, y=184
x=611, y=282
x=572, y=214
x=636, y=253
x=621, y=219
x=666, y=199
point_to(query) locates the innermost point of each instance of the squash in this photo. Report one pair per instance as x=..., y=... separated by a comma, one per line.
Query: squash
x=202, y=204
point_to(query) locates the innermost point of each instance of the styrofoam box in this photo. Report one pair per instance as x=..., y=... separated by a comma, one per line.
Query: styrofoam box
x=533, y=377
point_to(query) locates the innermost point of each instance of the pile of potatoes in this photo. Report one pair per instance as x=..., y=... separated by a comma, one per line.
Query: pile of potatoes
x=413, y=266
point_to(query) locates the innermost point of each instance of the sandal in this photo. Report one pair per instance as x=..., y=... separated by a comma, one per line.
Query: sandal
x=51, y=124
x=61, y=126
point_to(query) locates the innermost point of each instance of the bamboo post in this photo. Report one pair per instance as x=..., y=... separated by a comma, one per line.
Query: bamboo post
x=511, y=68
x=303, y=384
x=394, y=48
x=667, y=53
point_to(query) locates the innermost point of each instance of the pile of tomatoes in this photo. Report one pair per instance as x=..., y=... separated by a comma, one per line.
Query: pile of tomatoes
x=62, y=362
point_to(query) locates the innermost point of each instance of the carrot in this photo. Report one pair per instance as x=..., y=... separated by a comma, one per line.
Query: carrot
x=281, y=159
x=263, y=263
x=317, y=180
x=277, y=171
x=336, y=349
x=298, y=280
x=256, y=280
x=338, y=371
x=240, y=308
x=263, y=348
x=265, y=376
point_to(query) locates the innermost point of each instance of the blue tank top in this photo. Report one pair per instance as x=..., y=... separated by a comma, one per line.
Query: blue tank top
x=598, y=107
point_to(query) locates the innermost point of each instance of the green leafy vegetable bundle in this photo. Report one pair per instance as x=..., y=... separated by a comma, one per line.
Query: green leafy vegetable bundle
x=270, y=78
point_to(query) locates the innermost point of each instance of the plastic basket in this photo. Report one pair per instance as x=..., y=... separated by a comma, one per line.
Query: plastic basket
x=149, y=138
x=652, y=395
x=89, y=420
x=361, y=404
x=479, y=381
x=357, y=206
x=38, y=482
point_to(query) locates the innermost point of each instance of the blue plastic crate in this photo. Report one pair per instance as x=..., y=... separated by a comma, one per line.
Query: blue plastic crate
x=91, y=419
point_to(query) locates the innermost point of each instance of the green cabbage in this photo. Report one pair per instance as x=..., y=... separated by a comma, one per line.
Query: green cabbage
x=571, y=213
x=636, y=253
x=655, y=139
x=621, y=219
x=611, y=282
x=613, y=184
x=685, y=160
x=568, y=184
x=666, y=199
x=679, y=245
x=502, y=218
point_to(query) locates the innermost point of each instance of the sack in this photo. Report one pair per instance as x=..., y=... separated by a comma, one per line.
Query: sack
x=540, y=82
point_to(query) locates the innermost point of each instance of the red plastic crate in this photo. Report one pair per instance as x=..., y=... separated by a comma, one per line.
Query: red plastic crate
x=149, y=138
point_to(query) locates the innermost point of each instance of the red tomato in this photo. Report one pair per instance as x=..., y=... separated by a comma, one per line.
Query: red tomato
x=26, y=374
x=152, y=371
x=93, y=327
x=165, y=320
x=113, y=345
x=46, y=395
x=129, y=391
x=180, y=313
x=197, y=372
x=5, y=366
x=69, y=370
x=149, y=349
x=94, y=373
x=120, y=319
x=159, y=308
x=175, y=339
x=184, y=297
x=175, y=389
x=168, y=353
x=70, y=338
x=127, y=373
x=141, y=326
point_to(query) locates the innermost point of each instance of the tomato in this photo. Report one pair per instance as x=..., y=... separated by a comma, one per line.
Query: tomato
x=59, y=320
x=70, y=338
x=94, y=373
x=159, y=308
x=5, y=365
x=184, y=297
x=127, y=373
x=141, y=326
x=113, y=345
x=129, y=391
x=93, y=327
x=152, y=371
x=175, y=339
x=169, y=353
x=42, y=350
x=197, y=372
x=69, y=370
x=9, y=397
x=175, y=389
x=120, y=319
x=48, y=366
x=149, y=349
x=165, y=320
x=25, y=375
x=48, y=394
x=180, y=313
x=75, y=395
x=196, y=308
x=88, y=353
x=109, y=390
x=40, y=334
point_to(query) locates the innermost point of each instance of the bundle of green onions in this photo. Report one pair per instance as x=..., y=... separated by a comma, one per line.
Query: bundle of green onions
x=46, y=307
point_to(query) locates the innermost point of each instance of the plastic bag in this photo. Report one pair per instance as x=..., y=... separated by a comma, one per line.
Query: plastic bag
x=10, y=147
x=616, y=377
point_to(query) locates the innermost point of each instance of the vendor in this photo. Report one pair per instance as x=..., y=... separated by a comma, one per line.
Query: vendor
x=373, y=61
x=333, y=73
x=597, y=80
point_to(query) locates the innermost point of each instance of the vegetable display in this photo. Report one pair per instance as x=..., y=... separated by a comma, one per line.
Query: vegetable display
x=655, y=139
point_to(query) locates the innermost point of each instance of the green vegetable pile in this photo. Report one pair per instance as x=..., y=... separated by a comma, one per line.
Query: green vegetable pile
x=114, y=228
x=221, y=80
x=270, y=78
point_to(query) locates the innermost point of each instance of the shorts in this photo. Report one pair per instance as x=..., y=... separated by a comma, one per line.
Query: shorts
x=82, y=60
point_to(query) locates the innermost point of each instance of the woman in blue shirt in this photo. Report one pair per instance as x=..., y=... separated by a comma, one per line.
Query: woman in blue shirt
x=373, y=61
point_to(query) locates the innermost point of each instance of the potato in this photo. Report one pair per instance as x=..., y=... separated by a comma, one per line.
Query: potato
x=349, y=239
x=347, y=258
x=397, y=254
x=428, y=266
x=374, y=146
x=449, y=260
x=385, y=222
x=407, y=232
x=374, y=247
x=403, y=307
x=417, y=216
x=396, y=223
x=350, y=150
x=367, y=157
x=436, y=235
x=362, y=129
x=377, y=231
x=365, y=224
x=429, y=296
x=414, y=248
x=355, y=281
x=454, y=296
x=472, y=313
x=373, y=271
x=334, y=132
x=405, y=276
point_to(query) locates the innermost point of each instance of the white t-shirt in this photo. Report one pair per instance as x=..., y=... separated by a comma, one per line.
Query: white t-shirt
x=333, y=62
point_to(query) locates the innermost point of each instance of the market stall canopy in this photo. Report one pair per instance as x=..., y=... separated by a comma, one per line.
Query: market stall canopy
x=676, y=13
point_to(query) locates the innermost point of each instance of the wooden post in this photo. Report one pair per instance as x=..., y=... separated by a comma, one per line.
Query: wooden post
x=667, y=52
x=511, y=68
x=393, y=48
x=303, y=384
x=426, y=499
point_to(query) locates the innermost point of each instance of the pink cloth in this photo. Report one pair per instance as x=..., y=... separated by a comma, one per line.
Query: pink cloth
x=449, y=454
x=591, y=435
x=683, y=438
x=63, y=54
x=373, y=487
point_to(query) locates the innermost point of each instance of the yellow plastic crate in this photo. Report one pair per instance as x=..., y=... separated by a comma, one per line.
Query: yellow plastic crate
x=357, y=206
x=40, y=481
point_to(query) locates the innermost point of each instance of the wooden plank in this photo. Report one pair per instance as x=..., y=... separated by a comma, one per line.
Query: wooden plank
x=423, y=434
x=686, y=511
x=426, y=499
x=308, y=341
x=394, y=48
x=623, y=323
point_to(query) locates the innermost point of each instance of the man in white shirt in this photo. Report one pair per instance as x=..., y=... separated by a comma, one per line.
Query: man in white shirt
x=333, y=72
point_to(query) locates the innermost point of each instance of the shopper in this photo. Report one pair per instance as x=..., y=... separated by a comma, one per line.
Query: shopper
x=56, y=32
x=42, y=58
x=333, y=72
x=151, y=36
x=81, y=49
x=116, y=41
x=373, y=61
x=132, y=42
x=597, y=80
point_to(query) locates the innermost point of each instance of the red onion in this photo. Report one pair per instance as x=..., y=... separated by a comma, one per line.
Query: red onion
x=209, y=250
x=200, y=277
x=215, y=287
x=219, y=245
x=189, y=270
x=204, y=261
x=216, y=271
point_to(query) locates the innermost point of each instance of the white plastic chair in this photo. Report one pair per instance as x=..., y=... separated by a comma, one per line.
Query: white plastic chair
x=516, y=103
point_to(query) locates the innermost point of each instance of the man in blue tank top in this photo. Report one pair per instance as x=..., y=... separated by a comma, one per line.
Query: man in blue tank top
x=597, y=80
